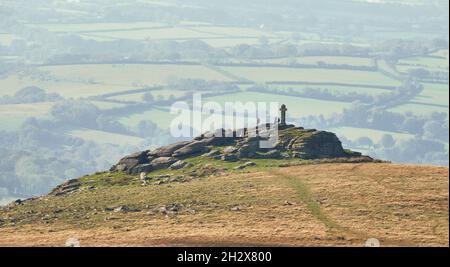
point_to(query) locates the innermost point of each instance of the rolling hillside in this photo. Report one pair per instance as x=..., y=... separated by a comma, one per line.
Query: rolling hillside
x=329, y=204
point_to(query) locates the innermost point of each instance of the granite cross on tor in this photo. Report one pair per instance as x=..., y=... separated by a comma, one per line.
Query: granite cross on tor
x=283, y=110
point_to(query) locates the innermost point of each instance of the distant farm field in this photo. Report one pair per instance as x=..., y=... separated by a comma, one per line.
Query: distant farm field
x=405, y=69
x=441, y=53
x=433, y=98
x=332, y=89
x=160, y=117
x=177, y=33
x=157, y=94
x=163, y=119
x=375, y=135
x=12, y=116
x=70, y=88
x=230, y=42
x=234, y=31
x=274, y=74
x=92, y=27
x=434, y=94
x=424, y=62
x=331, y=60
x=216, y=36
x=126, y=75
x=418, y=109
x=105, y=137
x=298, y=106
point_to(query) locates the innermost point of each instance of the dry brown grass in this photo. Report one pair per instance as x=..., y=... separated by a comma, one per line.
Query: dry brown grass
x=328, y=205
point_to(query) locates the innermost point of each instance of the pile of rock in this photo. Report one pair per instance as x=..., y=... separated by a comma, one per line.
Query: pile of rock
x=67, y=187
x=240, y=145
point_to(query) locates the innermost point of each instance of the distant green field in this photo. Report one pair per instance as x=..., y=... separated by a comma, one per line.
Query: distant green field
x=333, y=88
x=162, y=118
x=433, y=98
x=234, y=31
x=130, y=75
x=193, y=23
x=429, y=63
x=164, y=3
x=216, y=36
x=316, y=40
x=418, y=109
x=267, y=74
x=176, y=33
x=441, y=53
x=74, y=81
x=382, y=34
x=12, y=116
x=66, y=88
x=315, y=60
x=157, y=94
x=376, y=135
x=425, y=62
x=158, y=3
x=82, y=27
x=297, y=106
x=434, y=93
x=230, y=42
x=88, y=36
x=405, y=69
x=105, y=137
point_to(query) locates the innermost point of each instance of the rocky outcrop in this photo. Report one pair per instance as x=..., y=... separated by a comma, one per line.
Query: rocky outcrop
x=196, y=147
x=132, y=160
x=312, y=144
x=179, y=165
x=167, y=151
x=240, y=145
x=67, y=187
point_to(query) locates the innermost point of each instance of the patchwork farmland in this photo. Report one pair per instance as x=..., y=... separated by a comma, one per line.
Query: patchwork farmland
x=360, y=82
x=110, y=86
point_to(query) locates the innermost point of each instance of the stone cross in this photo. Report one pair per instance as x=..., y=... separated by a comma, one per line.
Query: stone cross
x=283, y=110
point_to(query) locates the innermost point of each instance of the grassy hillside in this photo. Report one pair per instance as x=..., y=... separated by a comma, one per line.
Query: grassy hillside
x=326, y=204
